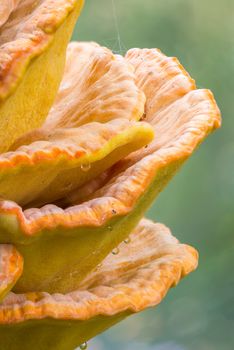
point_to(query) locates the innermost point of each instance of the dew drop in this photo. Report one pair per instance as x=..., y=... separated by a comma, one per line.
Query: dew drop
x=84, y=346
x=85, y=166
x=115, y=251
x=127, y=240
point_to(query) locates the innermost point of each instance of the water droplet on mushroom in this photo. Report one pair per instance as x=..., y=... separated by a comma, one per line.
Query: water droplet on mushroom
x=127, y=240
x=85, y=166
x=115, y=251
x=84, y=346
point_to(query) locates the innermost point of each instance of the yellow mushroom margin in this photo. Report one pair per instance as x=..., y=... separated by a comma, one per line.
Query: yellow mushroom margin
x=45, y=171
x=139, y=276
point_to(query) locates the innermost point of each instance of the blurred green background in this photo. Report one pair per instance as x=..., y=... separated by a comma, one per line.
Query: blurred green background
x=198, y=205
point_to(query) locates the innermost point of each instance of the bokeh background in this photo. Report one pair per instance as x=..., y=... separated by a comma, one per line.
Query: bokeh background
x=198, y=205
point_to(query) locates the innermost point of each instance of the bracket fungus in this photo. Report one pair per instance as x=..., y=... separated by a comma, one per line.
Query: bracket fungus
x=80, y=163
x=33, y=42
x=138, y=277
x=92, y=125
x=94, y=213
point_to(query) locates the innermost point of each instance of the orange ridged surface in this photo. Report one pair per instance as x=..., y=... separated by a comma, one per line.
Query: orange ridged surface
x=25, y=36
x=181, y=117
x=138, y=277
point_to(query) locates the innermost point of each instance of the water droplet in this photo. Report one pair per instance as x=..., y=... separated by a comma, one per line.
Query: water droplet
x=110, y=228
x=84, y=346
x=115, y=251
x=127, y=240
x=85, y=166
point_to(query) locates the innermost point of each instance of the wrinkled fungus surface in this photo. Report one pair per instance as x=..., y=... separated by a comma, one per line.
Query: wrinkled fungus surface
x=93, y=121
x=33, y=40
x=138, y=277
x=88, y=141
x=85, y=180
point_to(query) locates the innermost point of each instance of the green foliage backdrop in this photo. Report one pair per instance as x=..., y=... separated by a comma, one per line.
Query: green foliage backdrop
x=198, y=204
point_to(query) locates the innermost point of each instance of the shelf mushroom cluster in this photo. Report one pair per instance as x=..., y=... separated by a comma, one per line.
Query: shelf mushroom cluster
x=85, y=150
